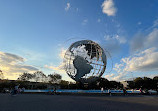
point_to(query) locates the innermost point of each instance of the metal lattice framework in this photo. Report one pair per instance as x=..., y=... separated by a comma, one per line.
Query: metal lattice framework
x=95, y=56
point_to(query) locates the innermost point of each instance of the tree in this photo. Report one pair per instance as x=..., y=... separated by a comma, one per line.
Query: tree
x=1, y=74
x=115, y=84
x=25, y=76
x=155, y=82
x=103, y=83
x=39, y=76
x=138, y=82
x=54, y=78
x=64, y=84
x=99, y=83
x=155, y=78
x=147, y=83
x=131, y=84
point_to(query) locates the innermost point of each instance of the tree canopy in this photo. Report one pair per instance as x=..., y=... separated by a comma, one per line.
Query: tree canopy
x=54, y=78
x=1, y=74
x=25, y=76
x=39, y=76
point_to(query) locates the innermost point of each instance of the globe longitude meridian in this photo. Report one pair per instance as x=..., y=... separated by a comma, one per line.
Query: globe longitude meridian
x=85, y=61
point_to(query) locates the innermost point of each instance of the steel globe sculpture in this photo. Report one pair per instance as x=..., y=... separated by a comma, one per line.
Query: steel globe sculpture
x=85, y=61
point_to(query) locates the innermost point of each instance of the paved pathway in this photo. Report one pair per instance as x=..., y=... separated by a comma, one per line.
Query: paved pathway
x=37, y=102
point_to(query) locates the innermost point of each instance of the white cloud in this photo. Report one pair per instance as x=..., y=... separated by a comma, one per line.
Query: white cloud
x=118, y=67
x=145, y=39
x=59, y=69
x=62, y=53
x=13, y=65
x=109, y=8
x=142, y=41
x=120, y=39
x=137, y=42
x=85, y=21
x=139, y=23
x=155, y=23
x=109, y=76
x=146, y=60
x=142, y=62
x=121, y=73
x=119, y=77
x=99, y=20
x=67, y=6
x=144, y=57
x=113, y=43
x=77, y=9
x=152, y=38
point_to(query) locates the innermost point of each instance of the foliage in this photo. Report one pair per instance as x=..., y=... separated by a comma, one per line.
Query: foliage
x=144, y=83
x=25, y=76
x=54, y=78
x=41, y=81
x=100, y=83
x=1, y=74
x=138, y=82
x=39, y=76
x=64, y=84
x=155, y=78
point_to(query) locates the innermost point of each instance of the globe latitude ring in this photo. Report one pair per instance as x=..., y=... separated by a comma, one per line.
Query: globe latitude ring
x=85, y=61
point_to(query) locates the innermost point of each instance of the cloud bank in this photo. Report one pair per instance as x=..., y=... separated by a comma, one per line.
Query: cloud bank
x=113, y=43
x=142, y=41
x=109, y=8
x=60, y=68
x=143, y=57
x=67, y=7
x=146, y=60
x=13, y=65
x=145, y=39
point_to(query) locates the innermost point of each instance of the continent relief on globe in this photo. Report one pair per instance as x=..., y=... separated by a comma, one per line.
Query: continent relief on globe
x=82, y=67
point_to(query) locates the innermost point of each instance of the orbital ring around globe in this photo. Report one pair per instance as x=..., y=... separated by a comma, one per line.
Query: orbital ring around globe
x=85, y=61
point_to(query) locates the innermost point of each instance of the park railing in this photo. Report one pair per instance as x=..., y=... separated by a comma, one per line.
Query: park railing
x=81, y=91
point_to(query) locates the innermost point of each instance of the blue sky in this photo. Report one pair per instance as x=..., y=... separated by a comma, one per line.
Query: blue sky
x=33, y=34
